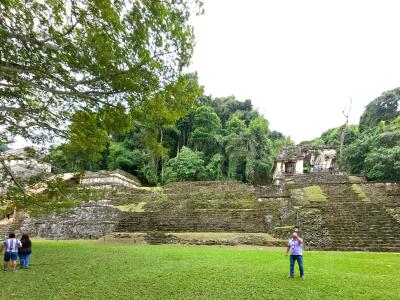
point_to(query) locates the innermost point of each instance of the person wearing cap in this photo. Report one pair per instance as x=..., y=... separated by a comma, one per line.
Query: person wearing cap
x=295, y=247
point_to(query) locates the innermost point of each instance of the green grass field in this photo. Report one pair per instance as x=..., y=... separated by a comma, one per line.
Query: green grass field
x=82, y=270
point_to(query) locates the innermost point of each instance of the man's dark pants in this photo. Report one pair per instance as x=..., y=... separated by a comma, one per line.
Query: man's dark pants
x=299, y=259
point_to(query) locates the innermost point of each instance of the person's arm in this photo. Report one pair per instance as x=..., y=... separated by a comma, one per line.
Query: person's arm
x=296, y=236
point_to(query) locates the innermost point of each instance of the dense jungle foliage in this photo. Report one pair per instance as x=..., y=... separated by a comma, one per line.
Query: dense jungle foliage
x=208, y=139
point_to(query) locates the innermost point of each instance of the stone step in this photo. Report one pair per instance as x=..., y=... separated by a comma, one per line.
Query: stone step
x=368, y=249
x=349, y=216
x=4, y=230
x=365, y=218
x=360, y=234
x=346, y=223
x=361, y=227
x=370, y=245
x=358, y=239
x=365, y=231
x=356, y=243
x=340, y=220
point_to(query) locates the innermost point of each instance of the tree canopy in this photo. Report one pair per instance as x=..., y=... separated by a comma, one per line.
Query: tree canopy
x=178, y=136
x=384, y=108
x=61, y=56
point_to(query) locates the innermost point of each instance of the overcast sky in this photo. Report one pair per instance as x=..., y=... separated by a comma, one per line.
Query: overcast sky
x=299, y=61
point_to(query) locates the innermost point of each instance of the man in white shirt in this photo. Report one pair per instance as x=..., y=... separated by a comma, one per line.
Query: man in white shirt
x=10, y=247
x=295, y=246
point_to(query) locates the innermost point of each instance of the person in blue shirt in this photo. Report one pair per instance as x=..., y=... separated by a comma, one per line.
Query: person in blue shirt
x=10, y=247
x=295, y=247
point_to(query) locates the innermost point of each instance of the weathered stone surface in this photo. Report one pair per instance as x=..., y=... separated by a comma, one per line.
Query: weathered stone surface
x=194, y=221
x=110, y=179
x=23, y=163
x=341, y=222
x=157, y=237
x=313, y=230
x=90, y=221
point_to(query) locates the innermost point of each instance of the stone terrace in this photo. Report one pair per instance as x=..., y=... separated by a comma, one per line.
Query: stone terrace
x=351, y=214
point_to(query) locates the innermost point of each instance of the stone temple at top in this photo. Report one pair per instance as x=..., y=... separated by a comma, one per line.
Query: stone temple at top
x=300, y=160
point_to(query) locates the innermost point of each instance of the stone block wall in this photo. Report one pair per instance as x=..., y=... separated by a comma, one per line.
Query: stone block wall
x=343, y=221
x=194, y=221
x=315, y=179
x=90, y=221
x=110, y=179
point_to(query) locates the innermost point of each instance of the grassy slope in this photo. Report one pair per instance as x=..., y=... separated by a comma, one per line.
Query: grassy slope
x=71, y=270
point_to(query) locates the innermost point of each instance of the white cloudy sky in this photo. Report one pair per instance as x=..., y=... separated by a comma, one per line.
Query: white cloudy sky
x=299, y=61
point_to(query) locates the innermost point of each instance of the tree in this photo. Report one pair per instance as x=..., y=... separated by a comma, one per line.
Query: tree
x=133, y=161
x=236, y=148
x=188, y=165
x=383, y=163
x=89, y=136
x=376, y=152
x=163, y=111
x=214, y=168
x=259, y=159
x=383, y=108
x=60, y=56
x=225, y=107
x=331, y=137
x=88, y=141
x=205, y=129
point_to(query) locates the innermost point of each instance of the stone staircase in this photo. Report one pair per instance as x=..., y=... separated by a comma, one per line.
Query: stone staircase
x=208, y=220
x=352, y=224
x=4, y=230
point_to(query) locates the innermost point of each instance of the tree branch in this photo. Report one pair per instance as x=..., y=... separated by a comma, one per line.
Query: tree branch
x=26, y=39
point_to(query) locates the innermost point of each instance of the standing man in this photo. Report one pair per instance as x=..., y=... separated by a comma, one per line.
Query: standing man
x=295, y=246
x=10, y=247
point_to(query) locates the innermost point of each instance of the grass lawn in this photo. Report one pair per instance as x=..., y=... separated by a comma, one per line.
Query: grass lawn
x=82, y=270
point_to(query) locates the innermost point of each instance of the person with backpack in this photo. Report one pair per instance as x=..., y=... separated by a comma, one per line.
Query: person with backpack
x=25, y=251
x=10, y=247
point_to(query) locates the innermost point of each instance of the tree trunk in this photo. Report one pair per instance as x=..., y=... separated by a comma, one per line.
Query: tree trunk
x=162, y=158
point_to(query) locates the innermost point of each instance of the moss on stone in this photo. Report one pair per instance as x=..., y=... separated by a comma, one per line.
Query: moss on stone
x=290, y=183
x=284, y=227
x=314, y=193
x=360, y=192
x=356, y=179
x=134, y=207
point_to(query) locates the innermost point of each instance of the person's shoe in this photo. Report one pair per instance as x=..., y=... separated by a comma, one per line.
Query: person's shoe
x=291, y=277
x=15, y=270
x=5, y=270
x=302, y=277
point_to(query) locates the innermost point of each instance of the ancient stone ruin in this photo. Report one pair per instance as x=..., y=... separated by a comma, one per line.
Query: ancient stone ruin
x=21, y=164
x=301, y=159
x=332, y=211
